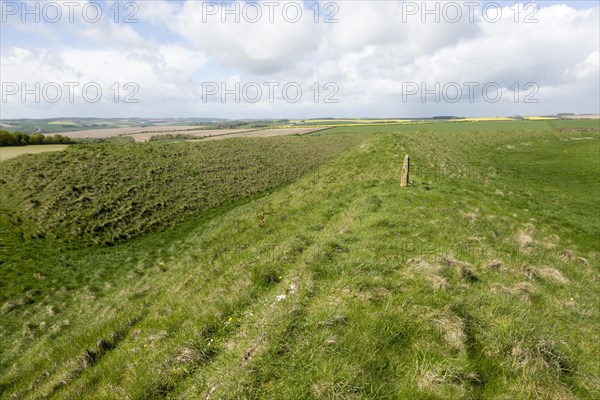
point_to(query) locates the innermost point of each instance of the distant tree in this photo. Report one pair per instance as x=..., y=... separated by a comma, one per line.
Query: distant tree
x=53, y=139
x=66, y=140
x=36, y=138
x=7, y=139
x=22, y=138
x=59, y=139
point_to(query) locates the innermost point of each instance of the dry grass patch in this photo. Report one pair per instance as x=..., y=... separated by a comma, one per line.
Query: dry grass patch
x=524, y=240
x=452, y=329
x=443, y=381
x=539, y=355
x=420, y=269
x=524, y=291
x=570, y=256
x=547, y=273
x=466, y=269
x=496, y=265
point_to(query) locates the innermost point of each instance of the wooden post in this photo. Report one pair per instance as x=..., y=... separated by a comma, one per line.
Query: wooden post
x=405, y=172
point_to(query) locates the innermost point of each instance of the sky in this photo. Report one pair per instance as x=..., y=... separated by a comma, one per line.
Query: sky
x=298, y=59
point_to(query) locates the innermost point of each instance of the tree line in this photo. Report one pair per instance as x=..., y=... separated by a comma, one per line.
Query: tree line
x=23, y=139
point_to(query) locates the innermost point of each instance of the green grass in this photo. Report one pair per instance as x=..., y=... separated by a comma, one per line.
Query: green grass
x=478, y=281
x=58, y=206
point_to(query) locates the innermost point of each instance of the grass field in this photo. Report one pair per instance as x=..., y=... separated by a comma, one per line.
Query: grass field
x=311, y=273
x=14, y=151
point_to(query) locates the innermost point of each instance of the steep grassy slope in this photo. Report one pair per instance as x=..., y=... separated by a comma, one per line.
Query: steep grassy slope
x=54, y=207
x=479, y=281
x=110, y=192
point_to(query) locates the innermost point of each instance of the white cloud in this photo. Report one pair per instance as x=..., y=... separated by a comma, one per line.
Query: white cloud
x=369, y=53
x=585, y=70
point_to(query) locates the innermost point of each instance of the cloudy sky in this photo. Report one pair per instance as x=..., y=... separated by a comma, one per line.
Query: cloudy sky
x=278, y=59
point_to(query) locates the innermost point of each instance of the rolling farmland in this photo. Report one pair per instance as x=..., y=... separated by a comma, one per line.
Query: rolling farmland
x=146, y=136
x=147, y=133
x=113, y=132
x=218, y=134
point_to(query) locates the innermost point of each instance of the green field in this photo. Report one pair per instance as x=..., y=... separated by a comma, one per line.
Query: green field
x=297, y=268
